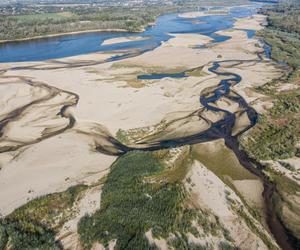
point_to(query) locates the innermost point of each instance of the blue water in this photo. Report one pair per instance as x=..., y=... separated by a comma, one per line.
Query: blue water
x=160, y=76
x=72, y=45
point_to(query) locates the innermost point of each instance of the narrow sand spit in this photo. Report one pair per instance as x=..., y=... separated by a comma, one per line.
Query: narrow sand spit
x=87, y=205
x=123, y=40
x=106, y=103
x=196, y=14
x=255, y=22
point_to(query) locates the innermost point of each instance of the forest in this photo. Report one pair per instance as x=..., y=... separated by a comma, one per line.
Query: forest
x=31, y=25
x=277, y=133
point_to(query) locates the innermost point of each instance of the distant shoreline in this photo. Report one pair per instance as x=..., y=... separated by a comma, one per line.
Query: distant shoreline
x=67, y=33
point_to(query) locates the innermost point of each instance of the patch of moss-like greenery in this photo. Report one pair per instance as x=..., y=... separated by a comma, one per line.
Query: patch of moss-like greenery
x=122, y=136
x=34, y=225
x=226, y=246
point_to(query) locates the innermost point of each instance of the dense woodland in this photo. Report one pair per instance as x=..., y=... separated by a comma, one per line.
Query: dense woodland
x=26, y=21
x=24, y=26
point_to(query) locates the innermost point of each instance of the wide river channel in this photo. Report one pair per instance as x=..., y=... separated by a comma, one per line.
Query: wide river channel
x=78, y=44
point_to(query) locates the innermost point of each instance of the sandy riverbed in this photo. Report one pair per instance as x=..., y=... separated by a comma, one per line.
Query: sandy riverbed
x=107, y=102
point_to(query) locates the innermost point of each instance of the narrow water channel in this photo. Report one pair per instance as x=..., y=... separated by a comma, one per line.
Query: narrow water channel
x=224, y=129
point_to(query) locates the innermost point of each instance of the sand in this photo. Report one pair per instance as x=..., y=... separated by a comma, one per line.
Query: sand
x=48, y=156
x=123, y=40
x=252, y=191
x=196, y=14
x=87, y=205
x=255, y=22
x=293, y=174
x=49, y=166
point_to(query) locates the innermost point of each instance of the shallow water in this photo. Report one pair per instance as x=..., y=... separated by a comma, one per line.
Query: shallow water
x=78, y=44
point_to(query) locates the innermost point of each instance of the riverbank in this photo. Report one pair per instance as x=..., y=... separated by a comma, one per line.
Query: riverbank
x=66, y=34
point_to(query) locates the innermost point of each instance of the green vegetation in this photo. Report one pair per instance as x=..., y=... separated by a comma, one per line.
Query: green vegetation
x=58, y=16
x=225, y=246
x=283, y=34
x=25, y=26
x=222, y=162
x=71, y=19
x=277, y=132
x=132, y=204
x=34, y=225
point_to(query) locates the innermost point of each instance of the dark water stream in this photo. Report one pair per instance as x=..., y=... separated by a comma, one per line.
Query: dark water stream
x=223, y=129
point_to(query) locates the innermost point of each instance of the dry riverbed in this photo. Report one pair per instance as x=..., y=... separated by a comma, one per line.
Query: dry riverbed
x=42, y=153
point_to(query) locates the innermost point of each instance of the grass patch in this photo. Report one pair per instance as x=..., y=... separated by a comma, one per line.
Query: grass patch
x=221, y=161
x=196, y=72
x=177, y=170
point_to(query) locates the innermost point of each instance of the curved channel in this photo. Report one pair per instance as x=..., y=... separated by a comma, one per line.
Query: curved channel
x=223, y=129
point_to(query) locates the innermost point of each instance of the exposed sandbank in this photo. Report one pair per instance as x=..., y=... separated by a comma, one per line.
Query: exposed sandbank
x=196, y=14
x=123, y=40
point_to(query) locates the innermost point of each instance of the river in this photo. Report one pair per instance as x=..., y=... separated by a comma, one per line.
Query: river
x=78, y=44
x=71, y=45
